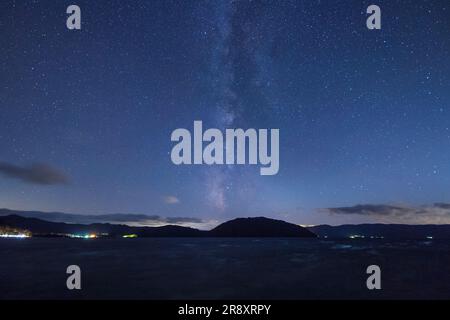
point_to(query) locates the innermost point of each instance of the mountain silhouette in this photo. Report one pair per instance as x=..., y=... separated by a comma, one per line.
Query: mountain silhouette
x=241, y=227
x=260, y=227
x=115, y=218
x=42, y=227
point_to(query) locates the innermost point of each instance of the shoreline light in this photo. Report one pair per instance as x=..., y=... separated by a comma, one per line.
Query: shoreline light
x=129, y=236
x=83, y=236
x=19, y=236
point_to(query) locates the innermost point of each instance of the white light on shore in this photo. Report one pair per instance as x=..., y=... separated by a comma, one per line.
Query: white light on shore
x=20, y=236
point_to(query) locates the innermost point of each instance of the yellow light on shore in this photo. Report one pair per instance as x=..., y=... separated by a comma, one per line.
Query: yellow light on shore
x=129, y=236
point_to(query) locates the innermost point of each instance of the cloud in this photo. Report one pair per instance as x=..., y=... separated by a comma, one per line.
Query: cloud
x=442, y=205
x=436, y=213
x=157, y=221
x=369, y=209
x=171, y=200
x=147, y=220
x=178, y=220
x=38, y=173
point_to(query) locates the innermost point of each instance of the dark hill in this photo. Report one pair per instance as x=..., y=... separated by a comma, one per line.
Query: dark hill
x=260, y=227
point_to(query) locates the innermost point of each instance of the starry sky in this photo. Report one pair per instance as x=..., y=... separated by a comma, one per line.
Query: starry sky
x=364, y=115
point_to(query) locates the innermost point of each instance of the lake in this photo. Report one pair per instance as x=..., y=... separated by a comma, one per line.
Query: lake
x=223, y=268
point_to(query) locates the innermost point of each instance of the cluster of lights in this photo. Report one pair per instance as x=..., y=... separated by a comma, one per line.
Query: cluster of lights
x=84, y=236
x=357, y=236
x=20, y=235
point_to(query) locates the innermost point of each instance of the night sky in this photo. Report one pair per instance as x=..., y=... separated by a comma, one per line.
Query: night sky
x=364, y=115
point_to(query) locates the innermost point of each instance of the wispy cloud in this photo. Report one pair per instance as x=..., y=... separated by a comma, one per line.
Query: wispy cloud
x=436, y=213
x=154, y=221
x=370, y=209
x=38, y=173
x=171, y=200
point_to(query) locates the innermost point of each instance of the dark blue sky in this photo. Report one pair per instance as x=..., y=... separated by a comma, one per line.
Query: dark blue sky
x=364, y=116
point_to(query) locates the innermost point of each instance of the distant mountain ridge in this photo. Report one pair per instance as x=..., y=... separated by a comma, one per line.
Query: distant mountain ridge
x=388, y=231
x=141, y=219
x=39, y=226
x=249, y=227
x=240, y=227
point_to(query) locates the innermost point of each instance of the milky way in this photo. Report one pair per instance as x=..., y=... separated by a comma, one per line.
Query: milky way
x=364, y=115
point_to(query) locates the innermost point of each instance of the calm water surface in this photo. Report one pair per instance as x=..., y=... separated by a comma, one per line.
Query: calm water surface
x=220, y=268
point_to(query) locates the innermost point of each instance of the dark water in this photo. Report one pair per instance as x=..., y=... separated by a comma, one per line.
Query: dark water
x=217, y=268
